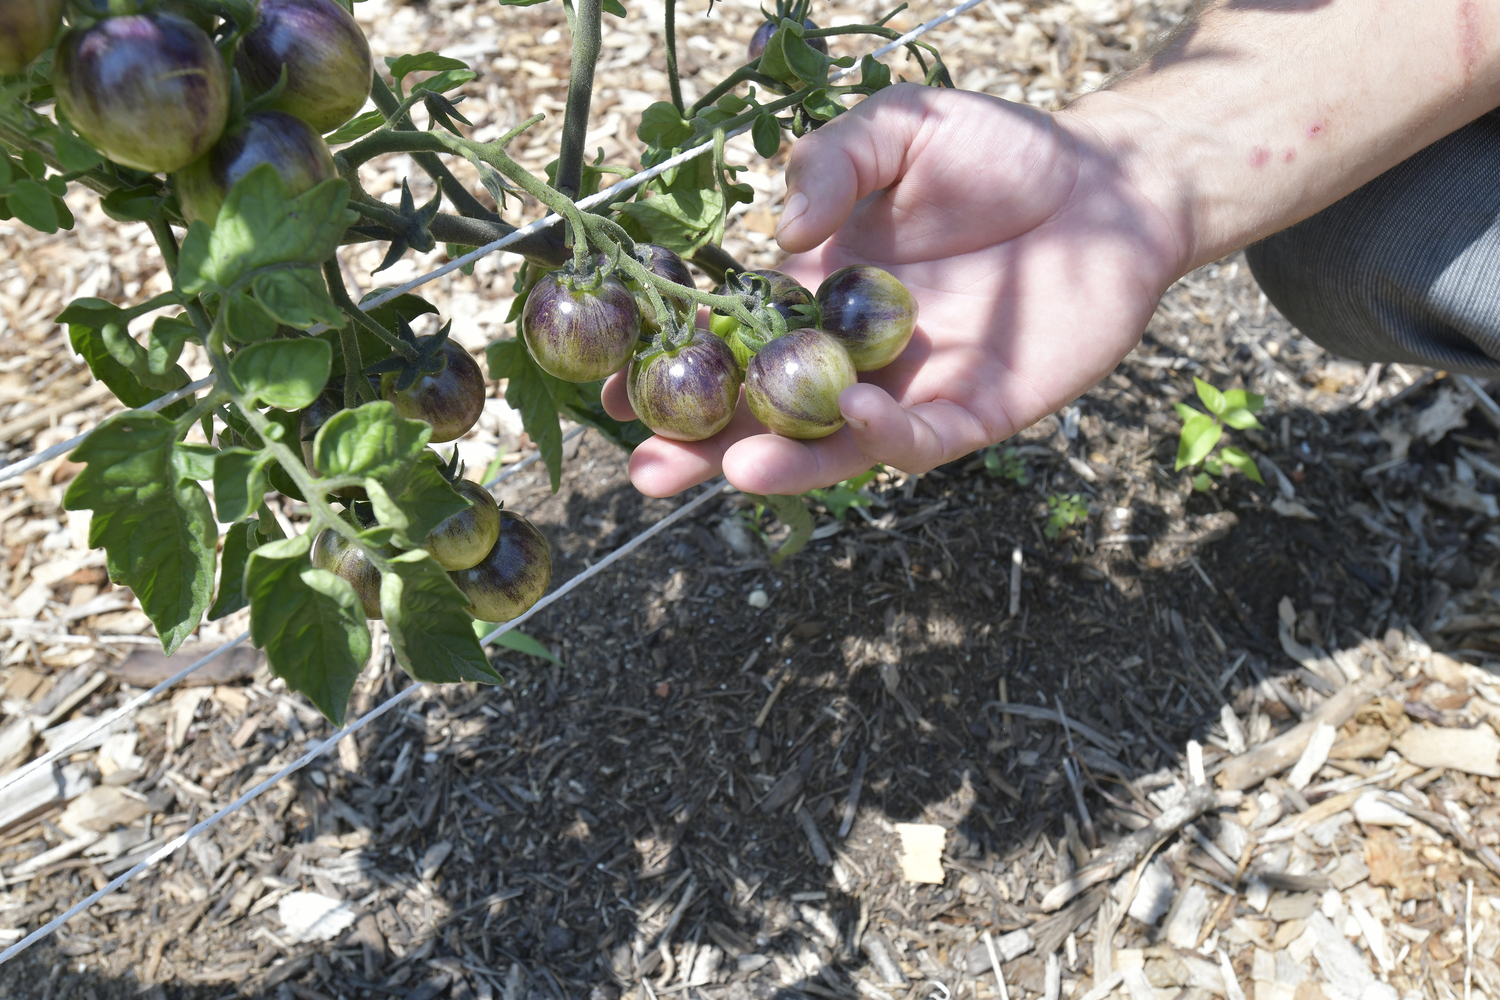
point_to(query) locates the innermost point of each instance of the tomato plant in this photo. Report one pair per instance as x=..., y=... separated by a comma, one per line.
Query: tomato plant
x=209, y=121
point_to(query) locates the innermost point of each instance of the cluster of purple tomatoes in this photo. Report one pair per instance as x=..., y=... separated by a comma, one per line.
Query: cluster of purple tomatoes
x=152, y=92
x=683, y=381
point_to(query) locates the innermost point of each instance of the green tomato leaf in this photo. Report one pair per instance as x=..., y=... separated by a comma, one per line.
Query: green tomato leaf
x=133, y=204
x=1202, y=482
x=1241, y=419
x=1212, y=398
x=407, y=307
x=372, y=442
x=33, y=205
x=73, y=153
x=517, y=640
x=445, y=81
x=874, y=74
x=661, y=125
x=681, y=221
x=429, y=62
x=245, y=320
x=164, y=345
x=766, y=132
x=239, y=542
x=240, y=482
x=309, y=622
x=426, y=502
x=614, y=7
x=1242, y=461
x=1239, y=399
x=354, y=128
x=87, y=320
x=260, y=227
x=285, y=373
x=586, y=408
x=534, y=393
x=298, y=297
x=153, y=521
x=822, y=106
x=1199, y=435
x=1185, y=411
x=793, y=512
x=431, y=633
x=1213, y=465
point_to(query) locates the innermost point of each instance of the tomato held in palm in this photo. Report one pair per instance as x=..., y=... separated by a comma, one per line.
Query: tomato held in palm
x=762, y=38
x=464, y=539
x=580, y=328
x=868, y=311
x=512, y=577
x=149, y=91
x=289, y=144
x=686, y=394
x=341, y=557
x=450, y=399
x=327, y=59
x=26, y=29
x=793, y=384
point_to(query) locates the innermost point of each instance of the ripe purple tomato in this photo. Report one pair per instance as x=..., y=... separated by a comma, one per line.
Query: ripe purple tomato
x=868, y=311
x=512, y=577
x=327, y=60
x=762, y=37
x=793, y=384
x=689, y=394
x=149, y=91
x=286, y=142
x=335, y=553
x=451, y=400
x=26, y=29
x=580, y=328
x=464, y=539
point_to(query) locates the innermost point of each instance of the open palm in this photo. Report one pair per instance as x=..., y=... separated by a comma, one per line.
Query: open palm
x=1035, y=262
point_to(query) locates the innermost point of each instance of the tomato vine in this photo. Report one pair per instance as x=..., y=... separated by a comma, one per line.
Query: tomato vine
x=248, y=203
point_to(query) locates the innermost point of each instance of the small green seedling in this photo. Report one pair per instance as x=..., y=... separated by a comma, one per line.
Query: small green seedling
x=1064, y=511
x=1005, y=463
x=1202, y=431
x=839, y=498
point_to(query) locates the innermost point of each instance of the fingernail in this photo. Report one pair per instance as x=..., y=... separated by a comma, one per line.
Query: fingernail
x=795, y=208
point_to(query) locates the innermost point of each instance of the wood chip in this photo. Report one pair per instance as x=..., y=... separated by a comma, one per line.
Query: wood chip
x=1473, y=751
x=921, y=851
x=1275, y=756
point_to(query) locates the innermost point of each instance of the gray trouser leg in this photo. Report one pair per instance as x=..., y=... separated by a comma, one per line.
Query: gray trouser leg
x=1407, y=268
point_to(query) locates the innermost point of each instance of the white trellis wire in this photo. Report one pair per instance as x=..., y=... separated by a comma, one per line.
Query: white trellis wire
x=714, y=489
x=18, y=468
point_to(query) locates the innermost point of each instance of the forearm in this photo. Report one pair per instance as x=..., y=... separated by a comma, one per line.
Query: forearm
x=1255, y=117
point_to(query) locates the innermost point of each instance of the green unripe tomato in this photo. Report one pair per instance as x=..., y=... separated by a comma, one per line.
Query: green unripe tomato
x=26, y=29
x=463, y=540
x=335, y=553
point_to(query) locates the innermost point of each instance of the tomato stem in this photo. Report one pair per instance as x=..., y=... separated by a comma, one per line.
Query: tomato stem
x=587, y=29
x=674, y=85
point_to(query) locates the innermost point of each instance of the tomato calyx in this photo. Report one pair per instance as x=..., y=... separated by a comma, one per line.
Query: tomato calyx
x=405, y=229
x=427, y=358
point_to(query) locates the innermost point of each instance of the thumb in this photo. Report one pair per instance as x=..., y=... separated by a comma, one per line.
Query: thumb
x=859, y=152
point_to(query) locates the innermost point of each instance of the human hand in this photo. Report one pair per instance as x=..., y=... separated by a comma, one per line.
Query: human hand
x=1035, y=260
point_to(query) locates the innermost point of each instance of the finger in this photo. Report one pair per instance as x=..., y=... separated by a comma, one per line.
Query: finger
x=662, y=468
x=852, y=156
x=913, y=439
x=615, y=398
x=768, y=463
